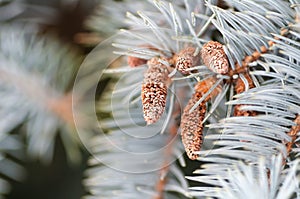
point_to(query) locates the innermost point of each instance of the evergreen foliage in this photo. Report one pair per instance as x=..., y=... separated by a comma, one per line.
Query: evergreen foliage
x=250, y=120
x=236, y=98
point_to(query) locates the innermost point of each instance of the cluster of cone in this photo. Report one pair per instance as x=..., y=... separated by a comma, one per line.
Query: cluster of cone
x=157, y=80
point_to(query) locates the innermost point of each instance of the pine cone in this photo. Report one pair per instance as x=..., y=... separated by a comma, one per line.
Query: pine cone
x=154, y=90
x=214, y=57
x=192, y=127
x=186, y=59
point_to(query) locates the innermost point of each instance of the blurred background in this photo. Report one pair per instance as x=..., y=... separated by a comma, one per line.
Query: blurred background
x=65, y=21
x=58, y=180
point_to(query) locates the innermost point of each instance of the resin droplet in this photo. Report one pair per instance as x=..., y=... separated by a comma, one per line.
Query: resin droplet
x=214, y=57
x=154, y=90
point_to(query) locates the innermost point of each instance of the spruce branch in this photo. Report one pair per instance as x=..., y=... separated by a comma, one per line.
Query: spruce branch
x=261, y=44
x=231, y=143
x=255, y=181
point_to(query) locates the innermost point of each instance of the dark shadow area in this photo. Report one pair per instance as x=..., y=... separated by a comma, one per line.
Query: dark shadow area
x=58, y=180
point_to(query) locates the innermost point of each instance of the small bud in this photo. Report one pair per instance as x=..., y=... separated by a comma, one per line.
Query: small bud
x=186, y=59
x=214, y=57
x=154, y=90
x=192, y=127
x=135, y=61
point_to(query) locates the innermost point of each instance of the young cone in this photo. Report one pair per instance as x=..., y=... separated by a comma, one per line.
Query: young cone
x=135, y=61
x=186, y=59
x=192, y=127
x=154, y=90
x=214, y=57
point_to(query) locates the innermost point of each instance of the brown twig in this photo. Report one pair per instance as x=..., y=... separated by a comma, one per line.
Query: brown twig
x=239, y=88
x=173, y=128
x=254, y=57
x=243, y=69
x=293, y=134
x=161, y=183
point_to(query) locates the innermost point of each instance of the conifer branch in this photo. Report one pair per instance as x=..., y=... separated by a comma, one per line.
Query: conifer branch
x=262, y=58
x=252, y=181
